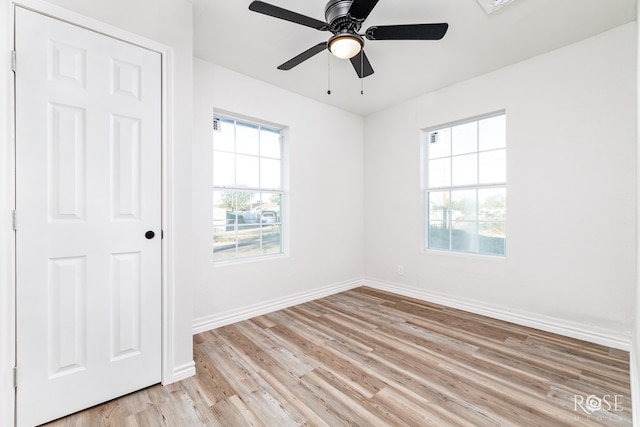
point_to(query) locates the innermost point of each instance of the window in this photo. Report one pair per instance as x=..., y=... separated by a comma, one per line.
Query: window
x=247, y=190
x=466, y=186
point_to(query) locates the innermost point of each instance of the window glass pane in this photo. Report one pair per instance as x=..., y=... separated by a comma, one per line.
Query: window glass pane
x=439, y=206
x=439, y=143
x=249, y=241
x=256, y=202
x=270, y=173
x=465, y=170
x=271, y=239
x=270, y=208
x=464, y=205
x=270, y=143
x=464, y=138
x=241, y=204
x=492, y=238
x=224, y=139
x=492, y=204
x=440, y=173
x=224, y=225
x=439, y=236
x=247, y=205
x=464, y=236
x=224, y=200
x=224, y=244
x=247, y=139
x=247, y=172
x=493, y=166
x=222, y=204
x=492, y=133
x=223, y=169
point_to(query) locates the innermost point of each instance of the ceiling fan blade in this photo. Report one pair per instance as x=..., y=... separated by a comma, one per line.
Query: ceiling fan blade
x=408, y=32
x=362, y=65
x=287, y=15
x=303, y=56
x=360, y=9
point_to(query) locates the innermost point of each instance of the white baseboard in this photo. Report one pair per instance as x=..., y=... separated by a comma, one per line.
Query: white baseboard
x=183, y=372
x=579, y=331
x=549, y=324
x=208, y=323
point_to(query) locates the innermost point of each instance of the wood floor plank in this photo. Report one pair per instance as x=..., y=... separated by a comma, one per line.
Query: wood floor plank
x=225, y=413
x=370, y=358
x=418, y=412
x=247, y=414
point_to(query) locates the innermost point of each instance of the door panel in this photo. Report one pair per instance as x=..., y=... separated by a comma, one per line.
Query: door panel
x=88, y=144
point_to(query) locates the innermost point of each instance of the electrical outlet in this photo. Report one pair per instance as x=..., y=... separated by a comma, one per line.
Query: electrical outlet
x=400, y=270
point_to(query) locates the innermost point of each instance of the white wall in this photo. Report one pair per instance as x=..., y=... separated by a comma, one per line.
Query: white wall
x=571, y=255
x=169, y=22
x=325, y=203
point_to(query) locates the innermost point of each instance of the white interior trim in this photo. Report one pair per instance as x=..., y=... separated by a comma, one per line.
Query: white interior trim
x=7, y=236
x=168, y=242
x=168, y=280
x=635, y=386
x=92, y=24
x=579, y=331
x=207, y=323
x=184, y=371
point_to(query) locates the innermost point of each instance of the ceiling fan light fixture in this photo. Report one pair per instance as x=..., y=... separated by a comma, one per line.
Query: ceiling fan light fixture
x=345, y=45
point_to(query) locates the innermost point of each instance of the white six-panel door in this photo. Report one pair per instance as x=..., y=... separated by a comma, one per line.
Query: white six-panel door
x=88, y=174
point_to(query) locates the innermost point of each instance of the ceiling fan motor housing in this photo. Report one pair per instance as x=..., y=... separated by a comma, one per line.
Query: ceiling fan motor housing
x=337, y=15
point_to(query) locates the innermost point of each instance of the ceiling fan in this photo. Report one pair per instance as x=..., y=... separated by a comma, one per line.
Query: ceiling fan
x=344, y=19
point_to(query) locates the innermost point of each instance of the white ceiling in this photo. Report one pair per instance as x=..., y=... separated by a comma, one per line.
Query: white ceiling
x=227, y=33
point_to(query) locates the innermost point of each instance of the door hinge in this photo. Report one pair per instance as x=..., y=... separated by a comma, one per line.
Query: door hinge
x=13, y=61
x=15, y=377
x=14, y=220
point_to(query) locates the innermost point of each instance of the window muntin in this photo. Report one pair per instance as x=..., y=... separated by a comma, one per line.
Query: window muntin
x=247, y=190
x=466, y=186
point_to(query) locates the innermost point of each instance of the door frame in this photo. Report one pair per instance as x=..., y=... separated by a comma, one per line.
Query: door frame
x=167, y=173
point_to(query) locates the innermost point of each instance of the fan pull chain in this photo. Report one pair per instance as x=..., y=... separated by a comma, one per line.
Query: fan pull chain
x=362, y=73
x=328, y=72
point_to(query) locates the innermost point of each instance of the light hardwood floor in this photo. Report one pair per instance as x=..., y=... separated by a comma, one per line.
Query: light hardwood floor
x=370, y=358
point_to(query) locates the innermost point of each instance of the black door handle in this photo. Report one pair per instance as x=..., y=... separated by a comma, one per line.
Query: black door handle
x=149, y=234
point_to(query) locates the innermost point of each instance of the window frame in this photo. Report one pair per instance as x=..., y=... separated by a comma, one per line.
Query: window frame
x=235, y=188
x=426, y=190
